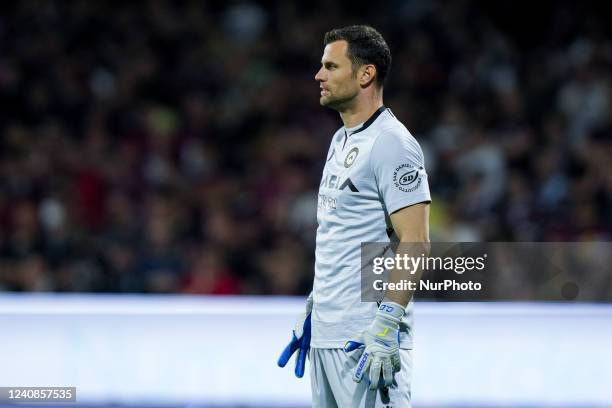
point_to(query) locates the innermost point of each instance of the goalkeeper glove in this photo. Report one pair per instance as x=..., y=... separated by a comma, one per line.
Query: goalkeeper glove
x=381, y=346
x=299, y=342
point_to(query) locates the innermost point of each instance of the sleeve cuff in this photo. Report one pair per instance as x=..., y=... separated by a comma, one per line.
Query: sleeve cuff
x=407, y=202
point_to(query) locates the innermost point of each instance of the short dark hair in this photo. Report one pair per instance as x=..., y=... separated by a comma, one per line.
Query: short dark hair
x=365, y=46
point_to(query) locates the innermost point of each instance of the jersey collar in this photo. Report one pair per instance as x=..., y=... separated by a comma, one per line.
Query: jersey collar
x=371, y=120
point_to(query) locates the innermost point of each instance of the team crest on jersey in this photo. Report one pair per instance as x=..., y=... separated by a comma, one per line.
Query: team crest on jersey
x=350, y=157
x=407, y=178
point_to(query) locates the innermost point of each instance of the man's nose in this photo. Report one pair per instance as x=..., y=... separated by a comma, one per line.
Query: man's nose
x=319, y=75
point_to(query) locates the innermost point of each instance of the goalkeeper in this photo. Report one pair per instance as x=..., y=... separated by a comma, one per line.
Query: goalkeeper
x=373, y=189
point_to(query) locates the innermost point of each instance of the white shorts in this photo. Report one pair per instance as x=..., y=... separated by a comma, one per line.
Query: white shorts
x=331, y=378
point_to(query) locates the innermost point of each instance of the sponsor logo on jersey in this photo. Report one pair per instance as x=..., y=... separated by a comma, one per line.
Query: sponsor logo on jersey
x=407, y=178
x=326, y=203
x=333, y=181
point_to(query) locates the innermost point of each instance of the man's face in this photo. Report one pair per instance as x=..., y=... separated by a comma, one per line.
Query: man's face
x=339, y=84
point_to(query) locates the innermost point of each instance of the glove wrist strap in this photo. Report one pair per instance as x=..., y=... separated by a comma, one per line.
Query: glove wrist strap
x=391, y=311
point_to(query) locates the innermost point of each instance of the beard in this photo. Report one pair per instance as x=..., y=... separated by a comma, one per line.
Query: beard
x=337, y=103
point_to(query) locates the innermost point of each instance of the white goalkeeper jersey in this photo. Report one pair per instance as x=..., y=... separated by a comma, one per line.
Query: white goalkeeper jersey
x=371, y=171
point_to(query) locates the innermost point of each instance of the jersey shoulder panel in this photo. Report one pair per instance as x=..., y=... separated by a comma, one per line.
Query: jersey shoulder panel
x=392, y=138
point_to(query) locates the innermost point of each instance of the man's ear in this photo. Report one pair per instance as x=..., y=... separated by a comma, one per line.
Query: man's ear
x=368, y=75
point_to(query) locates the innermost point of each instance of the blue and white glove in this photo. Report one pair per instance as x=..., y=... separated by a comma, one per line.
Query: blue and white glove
x=299, y=342
x=381, y=346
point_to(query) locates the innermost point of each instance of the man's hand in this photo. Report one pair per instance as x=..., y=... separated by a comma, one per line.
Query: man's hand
x=381, y=341
x=300, y=341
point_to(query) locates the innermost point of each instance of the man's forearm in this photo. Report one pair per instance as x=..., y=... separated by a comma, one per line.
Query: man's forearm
x=398, y=276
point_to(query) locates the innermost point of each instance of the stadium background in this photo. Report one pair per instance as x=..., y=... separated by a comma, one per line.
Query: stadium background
x=176, y=147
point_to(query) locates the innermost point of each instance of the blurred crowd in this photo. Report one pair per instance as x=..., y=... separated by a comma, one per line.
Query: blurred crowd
x=178, y=146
